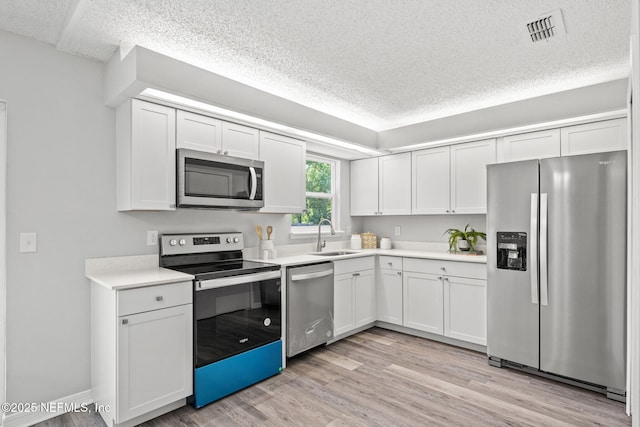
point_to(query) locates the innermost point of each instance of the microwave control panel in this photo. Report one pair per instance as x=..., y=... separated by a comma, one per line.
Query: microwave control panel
x=512, y=250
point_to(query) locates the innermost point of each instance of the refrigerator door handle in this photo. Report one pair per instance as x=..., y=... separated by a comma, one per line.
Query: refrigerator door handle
x=533, y=239
x=544, y=292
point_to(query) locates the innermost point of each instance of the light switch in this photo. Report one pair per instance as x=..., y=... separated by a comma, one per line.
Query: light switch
x=152, y=237
x=28, y=242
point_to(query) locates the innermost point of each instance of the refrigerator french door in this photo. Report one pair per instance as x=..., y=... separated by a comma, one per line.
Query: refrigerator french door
x=556, y=238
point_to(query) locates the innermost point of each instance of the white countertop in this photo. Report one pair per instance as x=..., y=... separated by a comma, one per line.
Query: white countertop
x=409, y=253
x=117, y=273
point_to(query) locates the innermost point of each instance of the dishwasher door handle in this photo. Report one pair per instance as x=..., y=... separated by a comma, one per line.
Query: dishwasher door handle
x=314, y=275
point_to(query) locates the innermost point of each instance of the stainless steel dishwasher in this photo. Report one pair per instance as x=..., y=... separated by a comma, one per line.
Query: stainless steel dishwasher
x=309, y=306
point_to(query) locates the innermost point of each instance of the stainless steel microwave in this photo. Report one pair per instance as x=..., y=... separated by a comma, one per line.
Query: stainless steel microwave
x=208, y=180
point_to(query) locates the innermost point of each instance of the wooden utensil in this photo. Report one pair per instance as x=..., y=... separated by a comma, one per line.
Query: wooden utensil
x=259, y=232
x=269, y=231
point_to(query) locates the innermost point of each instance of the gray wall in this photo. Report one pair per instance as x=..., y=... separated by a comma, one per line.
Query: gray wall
x=421, y=228
x=61, y=184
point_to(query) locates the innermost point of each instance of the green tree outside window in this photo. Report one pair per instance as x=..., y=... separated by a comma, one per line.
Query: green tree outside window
x=319, y=186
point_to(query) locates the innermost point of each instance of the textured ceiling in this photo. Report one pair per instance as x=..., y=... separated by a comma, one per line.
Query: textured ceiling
x=377, y=63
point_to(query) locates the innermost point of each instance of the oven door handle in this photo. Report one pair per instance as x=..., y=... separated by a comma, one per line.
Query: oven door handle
x=222, y=282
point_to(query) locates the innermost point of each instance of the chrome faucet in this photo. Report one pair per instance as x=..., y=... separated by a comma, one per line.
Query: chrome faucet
x=333, y=231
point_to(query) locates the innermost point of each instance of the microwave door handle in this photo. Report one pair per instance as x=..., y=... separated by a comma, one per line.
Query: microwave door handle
x=254, y=182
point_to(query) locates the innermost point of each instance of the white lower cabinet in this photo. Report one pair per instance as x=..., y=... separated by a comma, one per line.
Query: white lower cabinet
x=445, y=298
x=423, y=309
x=465, y=309
x=389, y=290
x=354, y=294
x=141, y=351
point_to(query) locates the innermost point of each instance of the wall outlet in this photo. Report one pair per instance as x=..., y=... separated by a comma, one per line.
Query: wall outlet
x=348, y=229
x=397, y=231
x=152, y=237
x=28, y=242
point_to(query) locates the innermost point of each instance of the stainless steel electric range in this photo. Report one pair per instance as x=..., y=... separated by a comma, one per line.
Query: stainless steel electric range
x=237, y=312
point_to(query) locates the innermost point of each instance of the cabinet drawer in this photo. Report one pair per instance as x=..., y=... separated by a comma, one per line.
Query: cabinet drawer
x=390, y=262
x=354, y=264
x=449, y=268
x=149, y=298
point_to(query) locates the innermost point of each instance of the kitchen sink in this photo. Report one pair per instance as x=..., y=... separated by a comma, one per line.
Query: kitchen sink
x=333, y=253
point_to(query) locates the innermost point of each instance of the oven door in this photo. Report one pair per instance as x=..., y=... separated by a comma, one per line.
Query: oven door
x=236, y=314
x=213, y=180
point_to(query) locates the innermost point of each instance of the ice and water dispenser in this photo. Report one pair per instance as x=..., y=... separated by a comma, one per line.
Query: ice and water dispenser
x=512, y=250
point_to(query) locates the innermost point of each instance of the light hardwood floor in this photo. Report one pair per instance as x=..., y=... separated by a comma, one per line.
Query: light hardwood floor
x=384, y=378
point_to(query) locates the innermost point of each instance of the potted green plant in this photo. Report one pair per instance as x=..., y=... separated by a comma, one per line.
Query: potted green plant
x=464, y=240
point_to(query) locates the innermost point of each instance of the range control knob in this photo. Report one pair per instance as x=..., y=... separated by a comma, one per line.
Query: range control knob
x=183, y=242
x=236, y=240
x=229, y=240
x=173, y=242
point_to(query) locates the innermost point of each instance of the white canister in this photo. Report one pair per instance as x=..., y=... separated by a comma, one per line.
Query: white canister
x=385, y=243
x=356, y=241
x=266, y=249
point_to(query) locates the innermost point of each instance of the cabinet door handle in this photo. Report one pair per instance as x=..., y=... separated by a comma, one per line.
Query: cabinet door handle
x=447, y=211
x=125, y=321
x=439, y=277
x=390, y=264
x=399, y=273
x=453, y=211
x=159, y=298
x=226, y=153
x=446, y=278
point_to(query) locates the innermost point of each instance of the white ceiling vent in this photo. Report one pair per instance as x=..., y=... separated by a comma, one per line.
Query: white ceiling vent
x=545, y=27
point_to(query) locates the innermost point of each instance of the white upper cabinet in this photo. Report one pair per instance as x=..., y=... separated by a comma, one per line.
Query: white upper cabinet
x=240, y=141
x=203, y=133
x=430, y=181
x=284, y=173
x=608, y=135
x=394, y=184
x=364, y=187
x=469, y=175
x=381, y=186
x=145, y=156
x=528, y=146
x=199, y=132
x=452, y=179
x=595, y=137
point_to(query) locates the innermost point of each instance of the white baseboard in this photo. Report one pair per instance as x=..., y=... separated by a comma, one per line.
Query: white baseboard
x=80, y=401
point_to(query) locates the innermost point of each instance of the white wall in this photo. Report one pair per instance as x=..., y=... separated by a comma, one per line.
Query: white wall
x=420, y=228
x=3, y=266
x=634, y=294
x=61, y=184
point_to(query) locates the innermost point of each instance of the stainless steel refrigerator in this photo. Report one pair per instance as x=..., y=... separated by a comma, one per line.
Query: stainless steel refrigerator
x=556, y=258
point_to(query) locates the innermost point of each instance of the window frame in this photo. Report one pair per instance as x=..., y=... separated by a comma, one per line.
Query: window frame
x=306, y=231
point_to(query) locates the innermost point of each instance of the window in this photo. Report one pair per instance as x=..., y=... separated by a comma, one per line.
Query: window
x=321, y=198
